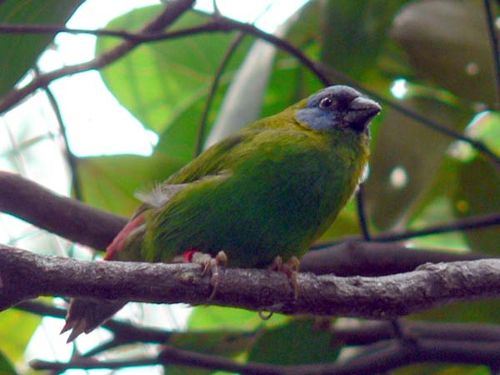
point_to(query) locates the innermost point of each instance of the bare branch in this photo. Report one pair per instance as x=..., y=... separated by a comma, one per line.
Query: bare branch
x=373, y=331
x=200, y=137
x=70, y=157
x=64, y=216
x=390, y=356
x=467, y=223
x=353, y=258
x=492, y=33
x=24, y=275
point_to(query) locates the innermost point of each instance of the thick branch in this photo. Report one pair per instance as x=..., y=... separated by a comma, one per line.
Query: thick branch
x=64, y=216
x=363, y=333
x=352, y=258
x=25, y=275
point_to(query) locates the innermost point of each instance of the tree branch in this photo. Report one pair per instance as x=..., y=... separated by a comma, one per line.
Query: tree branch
x=466, y=223
x=363, y=333
x=24, y=275
x=351, y=258
x=492, y=33
x=388, y=357
x=64, y=216
x=71, y=159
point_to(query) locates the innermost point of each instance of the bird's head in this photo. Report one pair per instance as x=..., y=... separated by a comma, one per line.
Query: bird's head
x=338, y=107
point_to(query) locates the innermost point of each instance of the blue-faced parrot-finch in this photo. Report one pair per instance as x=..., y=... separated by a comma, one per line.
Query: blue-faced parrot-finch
x=265, y=192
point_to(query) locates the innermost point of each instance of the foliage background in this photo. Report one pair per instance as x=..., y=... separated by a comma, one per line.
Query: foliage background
x=433, y=57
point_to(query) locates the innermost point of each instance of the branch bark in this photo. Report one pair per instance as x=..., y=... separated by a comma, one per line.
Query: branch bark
x=24, y=275
x=353, y=258
x=66, y=217
x=95, y=228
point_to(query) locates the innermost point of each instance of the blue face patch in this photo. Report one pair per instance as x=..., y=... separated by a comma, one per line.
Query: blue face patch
x=328, y=108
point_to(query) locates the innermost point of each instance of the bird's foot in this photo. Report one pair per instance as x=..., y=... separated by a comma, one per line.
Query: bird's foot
x=291, y=269
x=210, y=264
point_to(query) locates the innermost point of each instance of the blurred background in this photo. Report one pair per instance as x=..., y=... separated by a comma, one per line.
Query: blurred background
x=102, y=135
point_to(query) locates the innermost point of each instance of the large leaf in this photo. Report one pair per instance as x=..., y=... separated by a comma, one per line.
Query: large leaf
x=229, y=344
x=243, y=101
x=20, y=52
x=346, y=25
x=406, y=158
x=16, y=329
x=159, y=81
x=478, y=192
x=297, y=342
x=447, y=41
x=109, y=182
x=6, y=368
x=214, y=317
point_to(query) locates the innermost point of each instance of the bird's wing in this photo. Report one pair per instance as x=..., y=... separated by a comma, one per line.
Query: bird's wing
x=212, y=162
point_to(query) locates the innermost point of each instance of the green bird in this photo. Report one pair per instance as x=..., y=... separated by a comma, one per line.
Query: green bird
x=265, y=193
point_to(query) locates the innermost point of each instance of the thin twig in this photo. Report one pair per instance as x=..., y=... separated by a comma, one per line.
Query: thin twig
x=174, y=10
x=490, y=21
x=465, y=224
x=387, y=357
x=362, y=217
x=363, y=333
x=70, y=157
x=473, y=335
x=470, y=223
x=123, y=330
x=200, y=137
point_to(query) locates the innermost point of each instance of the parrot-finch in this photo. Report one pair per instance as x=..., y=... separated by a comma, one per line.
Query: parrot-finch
x=267, y=191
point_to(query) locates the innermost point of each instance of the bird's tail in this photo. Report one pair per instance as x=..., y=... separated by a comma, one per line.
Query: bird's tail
x=85, y=315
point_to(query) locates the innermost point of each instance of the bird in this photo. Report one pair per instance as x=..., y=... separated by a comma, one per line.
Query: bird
x=258, y=198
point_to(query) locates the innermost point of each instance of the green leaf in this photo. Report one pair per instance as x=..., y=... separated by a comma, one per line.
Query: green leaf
x=406, y=158
x=20, y=51
x=243, y=100
x=215, y=317
x=446, y=41
x=297, y=342
x=229, y=344
x=6, y=368
x=16, y=329
x=109, y=182
x=442, y=369
x=158, y=82
x=346, y=25
x=478, y=192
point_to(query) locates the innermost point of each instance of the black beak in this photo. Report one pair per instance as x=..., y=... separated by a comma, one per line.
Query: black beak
x=361, y=111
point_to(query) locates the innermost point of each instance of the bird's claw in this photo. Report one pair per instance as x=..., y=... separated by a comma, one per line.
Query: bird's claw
x=211, y=265
x=291, y=269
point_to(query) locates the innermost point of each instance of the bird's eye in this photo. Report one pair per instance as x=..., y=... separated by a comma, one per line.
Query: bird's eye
x=325, y=102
